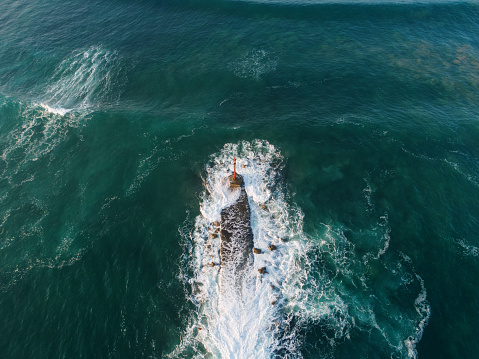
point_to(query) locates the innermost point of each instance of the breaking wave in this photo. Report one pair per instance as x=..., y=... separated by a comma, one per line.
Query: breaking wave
x=81, y=81
x=317, y=282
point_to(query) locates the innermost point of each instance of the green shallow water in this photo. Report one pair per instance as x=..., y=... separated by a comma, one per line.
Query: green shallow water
x=110, y=112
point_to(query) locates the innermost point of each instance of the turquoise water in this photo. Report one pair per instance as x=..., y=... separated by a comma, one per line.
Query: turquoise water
x=357, y=123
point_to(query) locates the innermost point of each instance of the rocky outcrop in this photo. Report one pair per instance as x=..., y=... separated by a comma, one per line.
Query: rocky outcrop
x=236, y=236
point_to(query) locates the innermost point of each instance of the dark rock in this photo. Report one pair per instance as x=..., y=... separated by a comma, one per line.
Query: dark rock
x=262, y=270
x=236, y=234
x=272, y=247
x=256, y=251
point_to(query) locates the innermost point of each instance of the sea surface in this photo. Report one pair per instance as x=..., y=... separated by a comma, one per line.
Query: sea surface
x=355, y=125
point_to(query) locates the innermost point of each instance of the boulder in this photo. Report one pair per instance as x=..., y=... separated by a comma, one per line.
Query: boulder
x=262, y=270
x=284, y=239
x=264, y=207
x=212, y=264
x=256, y=251
x=214, y=235
x=272, y=247
x=273, y=302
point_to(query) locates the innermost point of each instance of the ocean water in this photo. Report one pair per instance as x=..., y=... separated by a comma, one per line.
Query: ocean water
x=355, y=124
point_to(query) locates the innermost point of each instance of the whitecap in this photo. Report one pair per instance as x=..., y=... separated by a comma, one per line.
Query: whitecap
x=82, y=80
x=57, y=111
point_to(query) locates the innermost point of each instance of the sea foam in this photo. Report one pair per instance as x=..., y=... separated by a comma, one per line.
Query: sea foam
x=82, y=80
x=266, y=316
x=323, y=281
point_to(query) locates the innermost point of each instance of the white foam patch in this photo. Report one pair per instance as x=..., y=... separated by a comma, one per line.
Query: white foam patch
x=242, y=322
x=468, y=249
x=56, y=111
x=254, y=64
x=424, y=311
x=82, y=80
x=383, y=230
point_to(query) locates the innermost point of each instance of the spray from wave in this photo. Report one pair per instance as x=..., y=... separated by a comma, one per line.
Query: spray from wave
x=82, y=80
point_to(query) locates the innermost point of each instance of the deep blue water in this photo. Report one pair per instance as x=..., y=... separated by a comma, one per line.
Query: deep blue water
x=116, y=118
